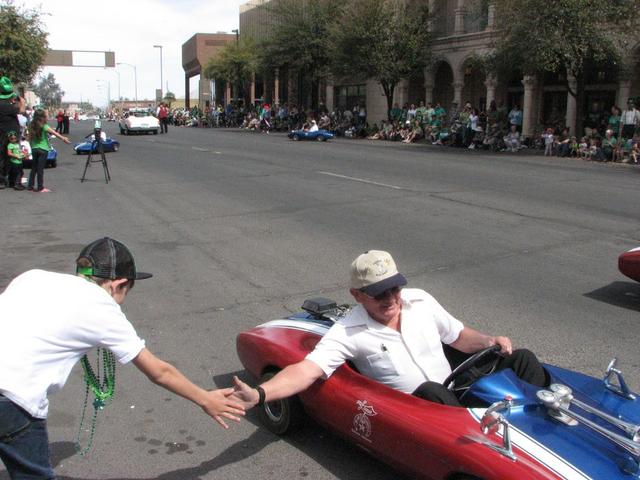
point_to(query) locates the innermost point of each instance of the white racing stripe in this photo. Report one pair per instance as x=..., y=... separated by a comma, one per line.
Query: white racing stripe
x=311, y=327
x=536, y=450
x=362, y=180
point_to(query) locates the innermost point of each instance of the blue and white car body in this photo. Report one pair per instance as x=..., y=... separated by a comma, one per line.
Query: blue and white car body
x=320, y=135
x=580, y=427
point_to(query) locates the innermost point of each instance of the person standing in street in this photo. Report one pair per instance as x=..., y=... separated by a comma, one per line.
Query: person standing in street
x=163, y=117
x=59, y=121
x=65, y=123
x=10, y=106
x=39, y=132
x=41, y=343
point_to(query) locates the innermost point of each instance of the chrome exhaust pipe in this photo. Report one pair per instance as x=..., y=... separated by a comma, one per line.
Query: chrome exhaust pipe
x=631, y=430
x=558, y=404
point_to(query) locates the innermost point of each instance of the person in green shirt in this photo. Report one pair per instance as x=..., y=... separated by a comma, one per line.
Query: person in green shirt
x=16, y=155
x=613, y=122
x=39, y=132
x=439, y=112
x=395, y=113
x=422, y=116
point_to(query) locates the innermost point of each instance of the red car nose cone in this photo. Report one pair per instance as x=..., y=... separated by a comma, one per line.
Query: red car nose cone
x=629, y=264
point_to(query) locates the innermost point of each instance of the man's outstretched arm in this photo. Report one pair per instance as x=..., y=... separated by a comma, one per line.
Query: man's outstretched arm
x=293, y=379
x=216, y=403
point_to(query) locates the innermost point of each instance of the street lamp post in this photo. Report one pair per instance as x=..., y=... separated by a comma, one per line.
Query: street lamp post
x=161, y=79
x=237, y=32
x=119, y=96
x=135, y=78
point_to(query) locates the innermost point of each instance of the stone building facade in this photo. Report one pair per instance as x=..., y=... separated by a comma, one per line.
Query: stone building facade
x=462, y=30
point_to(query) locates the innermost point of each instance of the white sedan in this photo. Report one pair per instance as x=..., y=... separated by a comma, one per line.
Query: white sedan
x=139, y=120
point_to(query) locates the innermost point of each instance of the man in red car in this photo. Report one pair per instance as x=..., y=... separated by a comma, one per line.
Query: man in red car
x=394, y=336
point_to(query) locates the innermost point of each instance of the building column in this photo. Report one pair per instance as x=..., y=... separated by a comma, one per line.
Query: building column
x=204, y=92
x=329, y=94
x=253, y=89
x=491, y=15
x=491, y=83
x=529, y=120
x=624, y=91
x=429, y=83
x=460, y=14
x=187, y=97
x=276, y=87
x=572, y=106
x=401, y=95
x=457, y=93
x=432, y=9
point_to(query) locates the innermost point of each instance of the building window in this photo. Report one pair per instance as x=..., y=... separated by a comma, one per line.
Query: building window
x=349, y=96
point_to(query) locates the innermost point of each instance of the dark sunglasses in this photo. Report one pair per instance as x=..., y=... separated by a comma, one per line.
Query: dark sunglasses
x=381, y=296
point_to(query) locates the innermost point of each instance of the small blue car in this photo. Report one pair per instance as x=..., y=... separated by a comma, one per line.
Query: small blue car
x=109, y=145
x=320, y=135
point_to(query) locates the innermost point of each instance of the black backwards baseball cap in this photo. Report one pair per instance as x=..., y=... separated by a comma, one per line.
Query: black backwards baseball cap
x=374, y=272
x=109, y=259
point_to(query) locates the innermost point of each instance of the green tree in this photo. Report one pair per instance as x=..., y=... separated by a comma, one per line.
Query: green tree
x=566, y=37
x=49, y=91
x=236, y=63
x=385, y=40
x=23, y=42
x=169, y=97
x=299, y=40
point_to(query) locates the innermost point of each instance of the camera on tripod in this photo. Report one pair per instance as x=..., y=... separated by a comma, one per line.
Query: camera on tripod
x=97, y=146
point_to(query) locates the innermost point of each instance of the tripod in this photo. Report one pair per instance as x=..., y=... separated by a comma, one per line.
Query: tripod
x=97, y=144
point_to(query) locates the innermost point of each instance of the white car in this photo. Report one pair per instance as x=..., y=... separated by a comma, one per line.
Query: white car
x=139, y=120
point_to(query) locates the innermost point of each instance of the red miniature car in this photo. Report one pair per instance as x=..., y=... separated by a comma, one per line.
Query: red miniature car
x=579, y=428
x=629, y=264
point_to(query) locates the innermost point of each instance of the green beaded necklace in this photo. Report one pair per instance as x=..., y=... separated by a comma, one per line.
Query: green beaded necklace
x=102, y=389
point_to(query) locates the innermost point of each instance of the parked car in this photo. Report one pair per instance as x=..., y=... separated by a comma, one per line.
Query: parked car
x=579, y=428
x=320, y=135
x=89, y=145
x=629, y=264
x=139, y=120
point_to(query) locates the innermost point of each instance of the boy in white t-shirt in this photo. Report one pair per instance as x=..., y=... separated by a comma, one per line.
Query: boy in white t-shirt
x=40, y=345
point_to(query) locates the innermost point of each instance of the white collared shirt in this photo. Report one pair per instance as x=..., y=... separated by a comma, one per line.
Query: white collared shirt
x=402, y=360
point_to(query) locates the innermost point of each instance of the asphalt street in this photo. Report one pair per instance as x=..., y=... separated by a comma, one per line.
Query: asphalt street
x=239, y=228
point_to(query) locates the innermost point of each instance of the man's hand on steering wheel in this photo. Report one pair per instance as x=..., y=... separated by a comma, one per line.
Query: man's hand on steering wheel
x=505, y=344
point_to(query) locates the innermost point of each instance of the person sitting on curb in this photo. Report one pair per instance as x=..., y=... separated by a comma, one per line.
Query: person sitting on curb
x=40, y=344
x=391, y=327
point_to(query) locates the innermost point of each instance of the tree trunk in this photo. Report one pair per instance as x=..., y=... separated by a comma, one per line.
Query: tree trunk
x=388, y=88
x=580, y=101
x=315, y=86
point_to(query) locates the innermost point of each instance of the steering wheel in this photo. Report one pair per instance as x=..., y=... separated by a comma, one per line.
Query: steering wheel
x=469, y=363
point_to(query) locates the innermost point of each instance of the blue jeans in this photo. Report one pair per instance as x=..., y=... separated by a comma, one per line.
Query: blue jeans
x=24, y=443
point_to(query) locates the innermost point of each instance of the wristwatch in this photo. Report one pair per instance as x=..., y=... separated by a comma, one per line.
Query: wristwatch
x=261, y=395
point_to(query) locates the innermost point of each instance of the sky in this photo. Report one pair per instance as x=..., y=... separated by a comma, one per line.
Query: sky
x=130, y=28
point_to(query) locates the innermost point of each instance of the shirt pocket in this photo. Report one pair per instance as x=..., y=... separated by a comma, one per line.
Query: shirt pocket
x=382, y=366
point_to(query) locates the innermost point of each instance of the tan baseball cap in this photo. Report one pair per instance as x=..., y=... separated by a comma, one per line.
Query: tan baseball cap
x=375, y=271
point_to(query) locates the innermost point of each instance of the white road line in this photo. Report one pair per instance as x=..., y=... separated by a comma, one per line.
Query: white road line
x=362, y=180
x=199, y=149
